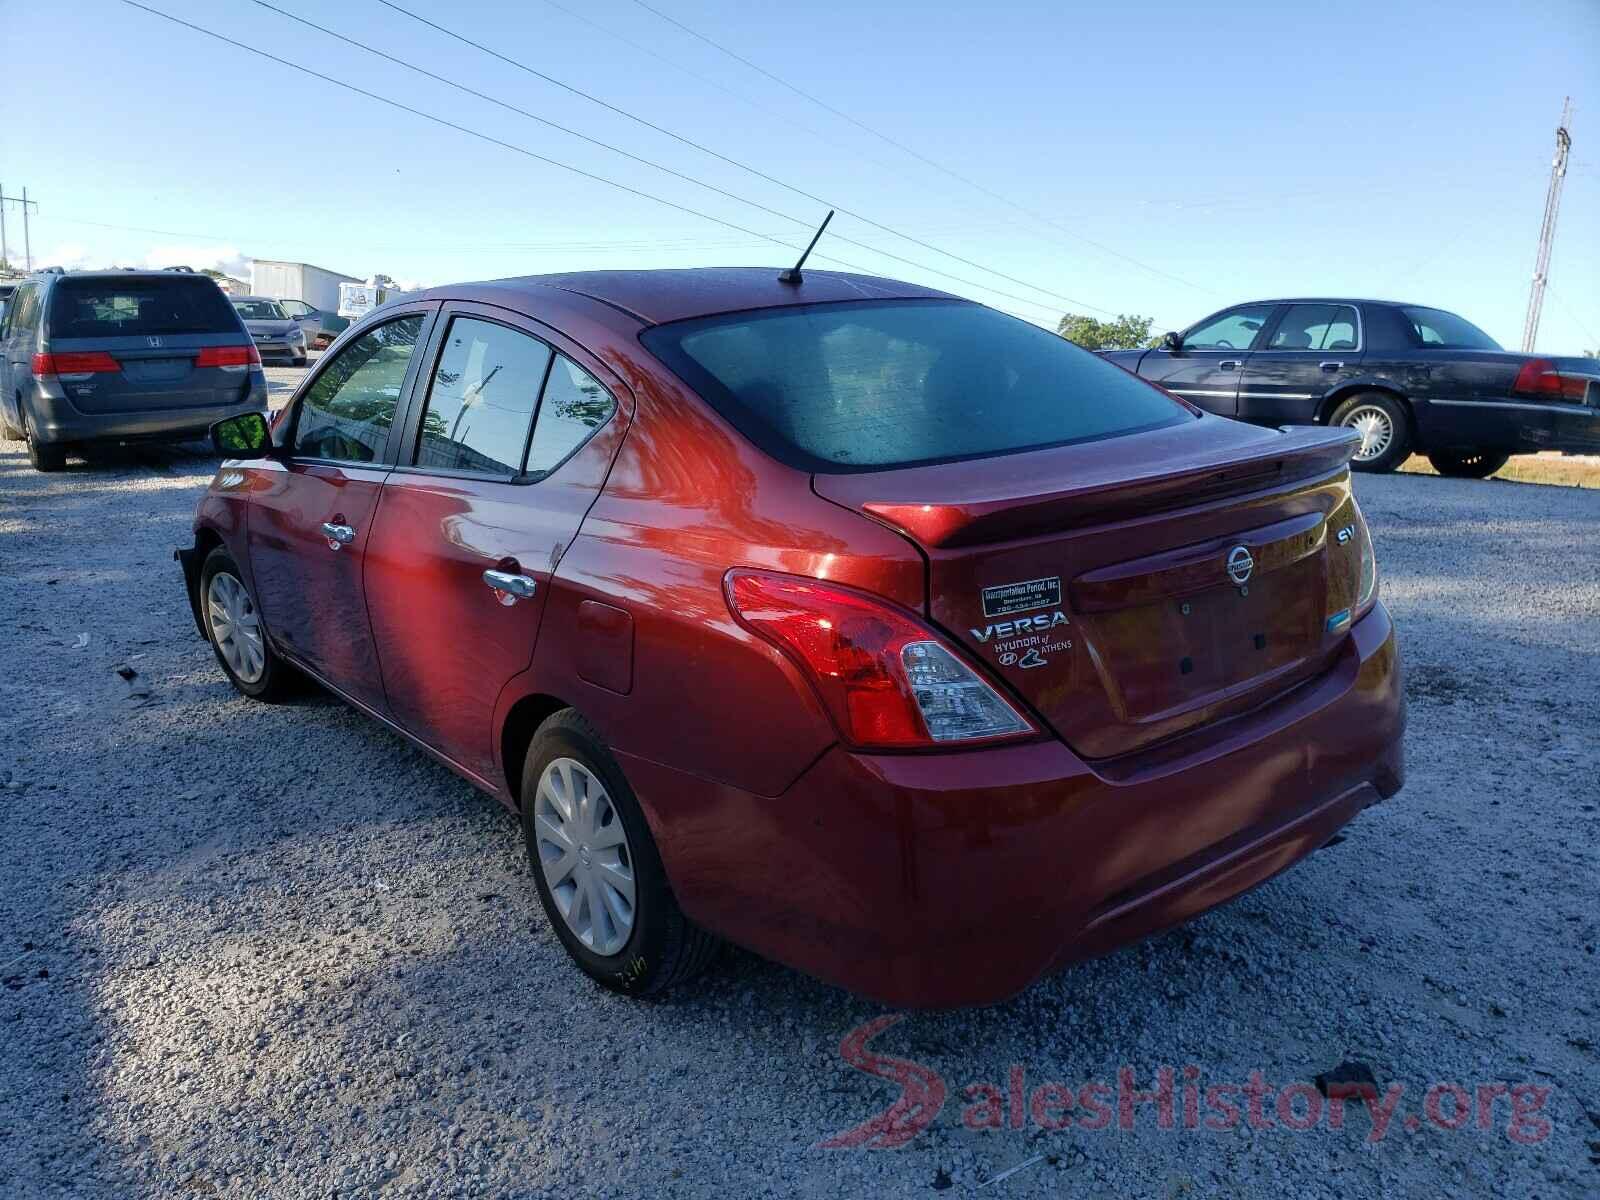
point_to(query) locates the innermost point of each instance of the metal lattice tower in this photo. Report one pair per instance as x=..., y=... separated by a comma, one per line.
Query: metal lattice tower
x=1547, y=231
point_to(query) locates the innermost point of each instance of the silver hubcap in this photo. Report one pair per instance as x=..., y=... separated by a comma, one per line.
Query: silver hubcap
x=584, y=854
x=235, y=627
x=1375, y=428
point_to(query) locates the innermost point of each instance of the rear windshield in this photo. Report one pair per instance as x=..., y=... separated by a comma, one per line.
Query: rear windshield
x=869, y=386
x=260, y=310
x=87, y=308
x=1441, y=330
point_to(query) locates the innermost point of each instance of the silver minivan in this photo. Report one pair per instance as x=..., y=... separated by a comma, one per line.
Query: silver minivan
x=115, y=356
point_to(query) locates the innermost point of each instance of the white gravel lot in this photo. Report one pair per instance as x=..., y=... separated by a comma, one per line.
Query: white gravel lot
x=273, y=951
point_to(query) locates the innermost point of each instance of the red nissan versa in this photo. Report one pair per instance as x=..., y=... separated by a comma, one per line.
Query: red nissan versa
x=884, y=634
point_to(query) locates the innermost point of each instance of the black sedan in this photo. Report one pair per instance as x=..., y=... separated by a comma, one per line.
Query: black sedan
x=1411, y=379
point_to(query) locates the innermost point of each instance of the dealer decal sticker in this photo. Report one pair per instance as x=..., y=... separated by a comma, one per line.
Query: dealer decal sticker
x=1008, y=598
x=1025, y=642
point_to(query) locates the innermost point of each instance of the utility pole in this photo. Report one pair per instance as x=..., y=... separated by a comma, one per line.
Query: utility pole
x=27, y=244
x=1547, y=231
x=5, y=251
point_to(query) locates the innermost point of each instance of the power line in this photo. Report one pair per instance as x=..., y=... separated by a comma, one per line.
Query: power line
x=759, y=174
x=494, y=141
x=706, y=80
x=684, y=176
x=991, y=193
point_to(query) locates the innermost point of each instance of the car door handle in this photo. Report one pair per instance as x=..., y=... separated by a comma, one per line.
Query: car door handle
x=510, y=588
x=1331, y=366
x=338, y=535
x=1232, y=364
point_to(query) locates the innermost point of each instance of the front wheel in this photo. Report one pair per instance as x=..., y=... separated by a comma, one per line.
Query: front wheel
x=596, y=867
x=1385, y=430
x=1468, y=464
x=233, y=627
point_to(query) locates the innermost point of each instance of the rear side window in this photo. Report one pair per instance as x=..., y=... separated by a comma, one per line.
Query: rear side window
x=874, y=385
x=346, y=414
x=122, y=307
x=482, y=398
x=1440, y=330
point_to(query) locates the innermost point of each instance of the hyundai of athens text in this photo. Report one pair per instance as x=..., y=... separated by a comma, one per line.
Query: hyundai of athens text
x=120, y=356
x=891, y=637
x=1408, y=378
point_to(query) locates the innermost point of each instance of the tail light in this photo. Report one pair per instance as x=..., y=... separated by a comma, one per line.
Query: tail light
x=888, y=681
x=229, y=358
x=1367, y=588
x=1539, y=377
x=81, y=362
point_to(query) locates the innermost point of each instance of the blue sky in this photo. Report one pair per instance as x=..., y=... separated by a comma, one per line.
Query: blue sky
x=1185, y=156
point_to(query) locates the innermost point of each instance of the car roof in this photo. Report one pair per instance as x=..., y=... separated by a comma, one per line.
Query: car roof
x=657, y=296
x=1336, y=300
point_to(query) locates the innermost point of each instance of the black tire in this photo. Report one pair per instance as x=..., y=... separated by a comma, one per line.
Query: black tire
x=43, y=458
x=663, y=948
x=277, y=680
x=1390, y=415
x=298, y=362
x=1468, y=464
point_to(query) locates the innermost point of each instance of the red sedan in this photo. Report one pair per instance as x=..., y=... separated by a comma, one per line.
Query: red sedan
x=889, y=636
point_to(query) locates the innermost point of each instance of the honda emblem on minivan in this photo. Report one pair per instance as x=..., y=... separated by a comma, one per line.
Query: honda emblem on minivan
x=155, y=343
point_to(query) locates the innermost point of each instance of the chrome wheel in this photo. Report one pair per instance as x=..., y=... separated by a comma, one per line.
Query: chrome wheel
x=235, y=627
x=584, y=855
x=1376, y=428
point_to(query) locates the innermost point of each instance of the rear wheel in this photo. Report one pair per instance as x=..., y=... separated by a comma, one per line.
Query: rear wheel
x=596, y=867
x=1384, y=427
x=233, y=627
x=43, y=458
x=1468, y=464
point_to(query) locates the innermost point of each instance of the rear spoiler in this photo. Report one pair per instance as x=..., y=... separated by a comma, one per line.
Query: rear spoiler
x=1014, y=509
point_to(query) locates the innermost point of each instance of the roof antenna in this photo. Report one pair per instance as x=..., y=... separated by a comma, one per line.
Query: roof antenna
x=792, y=275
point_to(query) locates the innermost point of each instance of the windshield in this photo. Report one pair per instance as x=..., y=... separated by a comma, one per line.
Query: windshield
x=128, y=305
x=260, y=310
x=1437, y=329
x=873, y=385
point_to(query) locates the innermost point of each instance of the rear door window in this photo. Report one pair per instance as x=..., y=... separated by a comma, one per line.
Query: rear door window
x=481, y=399
x=1316, y=327
x=120, y=307
x=347, y=412
x=878, y=384
x=574, y=406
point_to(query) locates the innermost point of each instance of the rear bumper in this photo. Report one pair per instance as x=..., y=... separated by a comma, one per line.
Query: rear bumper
x=1516, y=426
x=56, y=420
x=960, y=879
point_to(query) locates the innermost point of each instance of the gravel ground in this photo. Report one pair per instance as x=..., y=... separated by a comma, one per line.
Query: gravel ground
x=273, y=951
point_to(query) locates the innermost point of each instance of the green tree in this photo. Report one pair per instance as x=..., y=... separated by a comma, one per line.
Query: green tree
x=1127, y=332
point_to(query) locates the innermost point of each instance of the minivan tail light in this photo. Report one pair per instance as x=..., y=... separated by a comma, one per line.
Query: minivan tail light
x=1539, y=377
x=74, y=362
x=888, y=681
x=229, y=358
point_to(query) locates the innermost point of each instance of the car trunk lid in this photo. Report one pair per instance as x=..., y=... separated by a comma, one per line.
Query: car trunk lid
x=1135, y=589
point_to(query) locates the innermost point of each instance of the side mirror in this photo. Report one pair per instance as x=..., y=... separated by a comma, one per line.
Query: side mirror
x=244, y=436
x=1171, y=341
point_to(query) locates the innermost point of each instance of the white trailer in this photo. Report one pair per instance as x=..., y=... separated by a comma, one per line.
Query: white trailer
x=317, y=286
